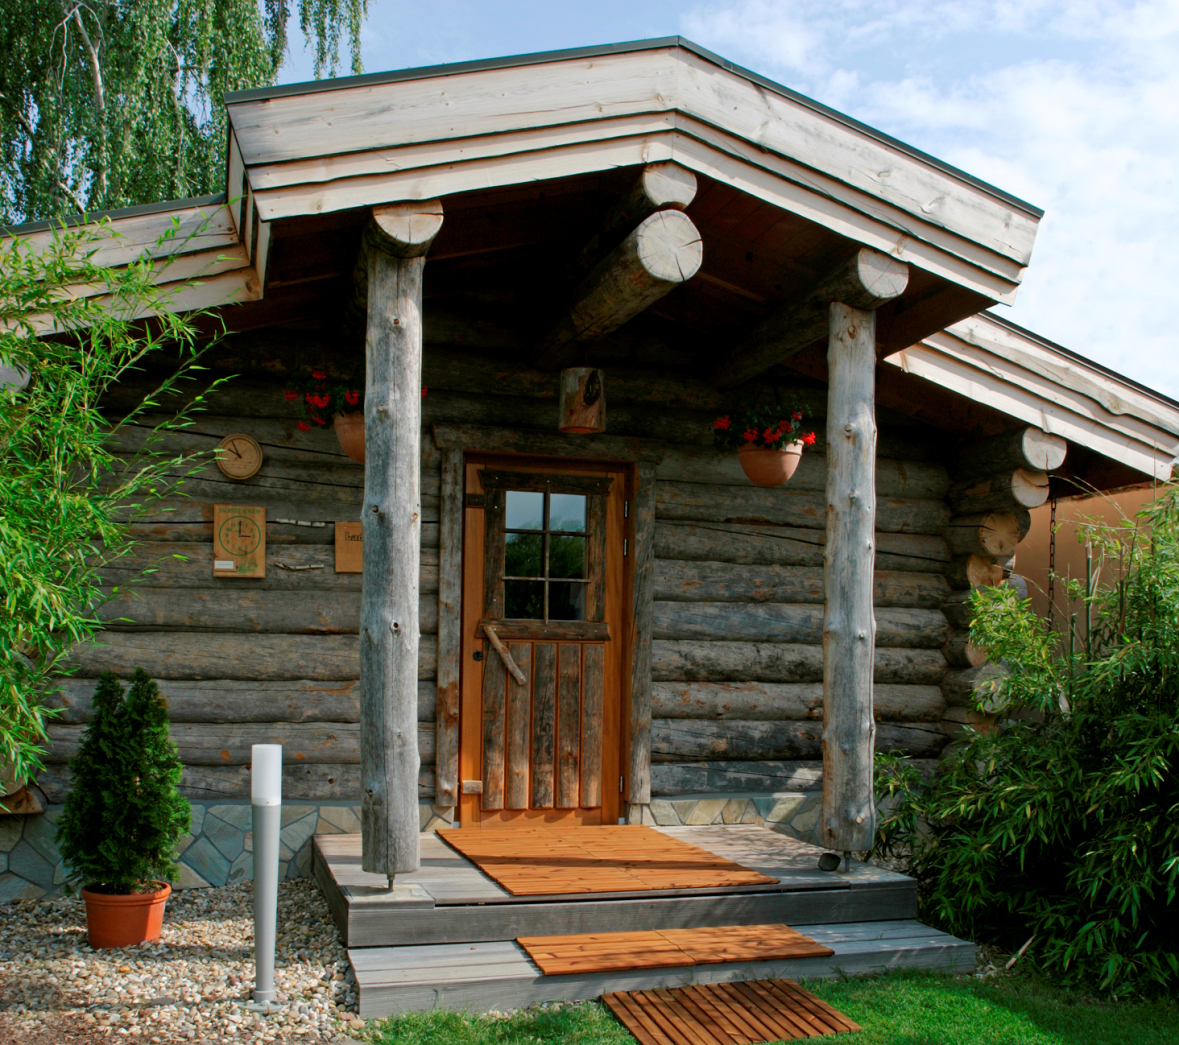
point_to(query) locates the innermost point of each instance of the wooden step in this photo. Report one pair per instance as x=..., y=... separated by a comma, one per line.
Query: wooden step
x=500, y=975
x=450, y=901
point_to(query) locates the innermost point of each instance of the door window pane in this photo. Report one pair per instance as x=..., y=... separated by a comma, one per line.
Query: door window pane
x=567, y=512
x=524, y=510
x=524, y=600
x=524, y=555
x=566, y=556
x=566, y=600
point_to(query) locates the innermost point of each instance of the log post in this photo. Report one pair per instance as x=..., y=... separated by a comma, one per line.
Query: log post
x=396, y=241
x=849, y=623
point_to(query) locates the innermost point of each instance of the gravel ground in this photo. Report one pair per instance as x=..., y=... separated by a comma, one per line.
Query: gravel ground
x=190, y=986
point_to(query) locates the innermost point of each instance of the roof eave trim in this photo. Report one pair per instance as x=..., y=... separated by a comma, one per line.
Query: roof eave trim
x=74, y=220
x=602, y=50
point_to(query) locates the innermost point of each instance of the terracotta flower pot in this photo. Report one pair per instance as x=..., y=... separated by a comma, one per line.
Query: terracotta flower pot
x=350, y=432
x=770, y=467
x=116, y=920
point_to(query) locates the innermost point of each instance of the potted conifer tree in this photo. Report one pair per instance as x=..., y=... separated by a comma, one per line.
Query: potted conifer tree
x=124, y=816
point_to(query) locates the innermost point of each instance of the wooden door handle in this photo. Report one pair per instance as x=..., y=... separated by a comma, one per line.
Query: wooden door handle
x=505, y=656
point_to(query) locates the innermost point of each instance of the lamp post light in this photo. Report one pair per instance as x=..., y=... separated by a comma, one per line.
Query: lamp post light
x=266, y=799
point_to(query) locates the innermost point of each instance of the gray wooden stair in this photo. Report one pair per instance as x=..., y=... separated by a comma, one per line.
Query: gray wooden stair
x=500, y=975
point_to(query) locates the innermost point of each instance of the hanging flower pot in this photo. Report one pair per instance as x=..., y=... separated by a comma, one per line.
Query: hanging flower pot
x=350, y=432
x=767, y=467
x=769, y=443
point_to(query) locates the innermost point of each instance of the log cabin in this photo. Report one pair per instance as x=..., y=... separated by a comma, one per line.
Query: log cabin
x=683, y=235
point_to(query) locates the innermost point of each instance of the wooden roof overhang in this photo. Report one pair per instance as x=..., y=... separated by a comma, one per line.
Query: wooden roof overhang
x=988, y=360
x=331, y=147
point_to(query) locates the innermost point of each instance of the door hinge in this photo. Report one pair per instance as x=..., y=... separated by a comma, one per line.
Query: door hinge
x=626, y=509
x=620, y=785
x=625, y=547
x=476, y=500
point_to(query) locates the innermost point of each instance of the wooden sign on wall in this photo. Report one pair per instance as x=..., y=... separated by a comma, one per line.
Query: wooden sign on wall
x=349, y=547
x=239, y=541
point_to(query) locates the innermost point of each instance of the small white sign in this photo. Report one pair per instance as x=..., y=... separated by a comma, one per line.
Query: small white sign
x=223, y=564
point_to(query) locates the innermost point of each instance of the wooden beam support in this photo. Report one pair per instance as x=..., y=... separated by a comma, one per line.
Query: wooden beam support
x=397, y=239
x=849, y=623
x=659, y=186
x=1027, y=448
x=660, y=254
x=864, y=281
x=639, y=789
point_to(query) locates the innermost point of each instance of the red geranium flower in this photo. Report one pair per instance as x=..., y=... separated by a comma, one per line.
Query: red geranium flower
x=424, y=391
x=319, y=420
x=769, y=435
x=797, y=415
x=352, y=398
x=809, y=439
x=290, y=395
x=303, y=426
x=722, y=423
x=750, y=435
x=319, y=375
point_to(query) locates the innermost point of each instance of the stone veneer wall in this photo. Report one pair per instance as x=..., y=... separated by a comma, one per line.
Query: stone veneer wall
x=218, y=850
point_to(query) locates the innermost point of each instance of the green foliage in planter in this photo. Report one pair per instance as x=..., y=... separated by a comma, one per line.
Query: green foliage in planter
x=124, y=816
x=1063, y=824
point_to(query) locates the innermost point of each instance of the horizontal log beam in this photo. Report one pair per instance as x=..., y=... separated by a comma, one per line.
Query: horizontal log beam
x=1027, y=447
x=704, y=502
x=789, y=623
x=689, y=581
x=1002, y=492
x=669, y=779
x=990, y=534
x=962, y=653
x=974, y=687
x=236, y=701
x=660, y=254
x=188, y=655
x=695, y=661
x=675, y=740
x=489, y=439
x=317, y=782
x=224, y=744
x=789, y=546
x=783, y=702
x=229, y=608
x=866, y=280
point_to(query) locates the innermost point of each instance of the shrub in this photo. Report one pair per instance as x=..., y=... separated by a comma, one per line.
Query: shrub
x=1063, y=823
x=124, y=817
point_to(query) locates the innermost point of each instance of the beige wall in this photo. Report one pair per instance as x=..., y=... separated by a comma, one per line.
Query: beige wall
x=1031, y=559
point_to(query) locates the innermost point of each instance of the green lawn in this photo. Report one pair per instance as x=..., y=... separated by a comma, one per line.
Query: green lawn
x=904, y=1008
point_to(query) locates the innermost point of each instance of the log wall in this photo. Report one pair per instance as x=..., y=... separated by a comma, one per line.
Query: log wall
x=737, y=592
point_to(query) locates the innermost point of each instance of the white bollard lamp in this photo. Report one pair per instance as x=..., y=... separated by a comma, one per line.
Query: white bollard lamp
x=266, y=799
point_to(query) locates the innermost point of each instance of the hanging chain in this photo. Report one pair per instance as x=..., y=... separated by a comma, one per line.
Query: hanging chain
x=1052, y=565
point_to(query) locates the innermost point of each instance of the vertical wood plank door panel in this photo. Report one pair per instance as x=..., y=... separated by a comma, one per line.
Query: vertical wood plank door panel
x=544, y=720
x=548, y=748
x=569, y=726
x=518, y=729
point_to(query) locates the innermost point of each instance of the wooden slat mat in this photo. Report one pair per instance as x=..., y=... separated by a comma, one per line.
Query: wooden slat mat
x=549, y=861
x=661, y=948
x=739, y=1013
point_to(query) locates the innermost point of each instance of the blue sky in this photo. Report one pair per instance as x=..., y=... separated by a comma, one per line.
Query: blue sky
x=1072, y=105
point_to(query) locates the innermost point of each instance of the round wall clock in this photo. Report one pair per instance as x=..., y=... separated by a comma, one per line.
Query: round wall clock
x=240, y=455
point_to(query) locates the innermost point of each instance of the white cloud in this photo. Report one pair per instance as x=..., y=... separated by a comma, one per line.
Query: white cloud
x=1073, y=106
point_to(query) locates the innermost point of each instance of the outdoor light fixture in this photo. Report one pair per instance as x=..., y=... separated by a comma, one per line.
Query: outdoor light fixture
x=582, y=406
x=266, y=798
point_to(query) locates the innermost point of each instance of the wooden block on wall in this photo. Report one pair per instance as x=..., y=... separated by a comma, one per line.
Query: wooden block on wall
x=239, y=540
x=349, y=547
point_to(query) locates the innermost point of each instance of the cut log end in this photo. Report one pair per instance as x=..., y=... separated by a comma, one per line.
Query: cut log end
x=405, y=230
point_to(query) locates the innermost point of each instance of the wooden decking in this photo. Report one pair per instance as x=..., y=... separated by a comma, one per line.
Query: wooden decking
x=446, y=935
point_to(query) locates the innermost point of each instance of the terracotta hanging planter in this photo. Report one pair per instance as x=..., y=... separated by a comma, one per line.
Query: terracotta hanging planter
x=124, y=920
x=350, y=432
x=765, y=467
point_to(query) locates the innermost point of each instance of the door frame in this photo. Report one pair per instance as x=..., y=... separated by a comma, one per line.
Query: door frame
x=619, y=611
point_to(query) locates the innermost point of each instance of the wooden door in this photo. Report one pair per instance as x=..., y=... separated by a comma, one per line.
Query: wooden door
x=544, y=572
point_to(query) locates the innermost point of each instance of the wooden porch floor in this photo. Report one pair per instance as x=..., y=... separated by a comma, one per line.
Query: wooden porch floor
x=446, y=935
